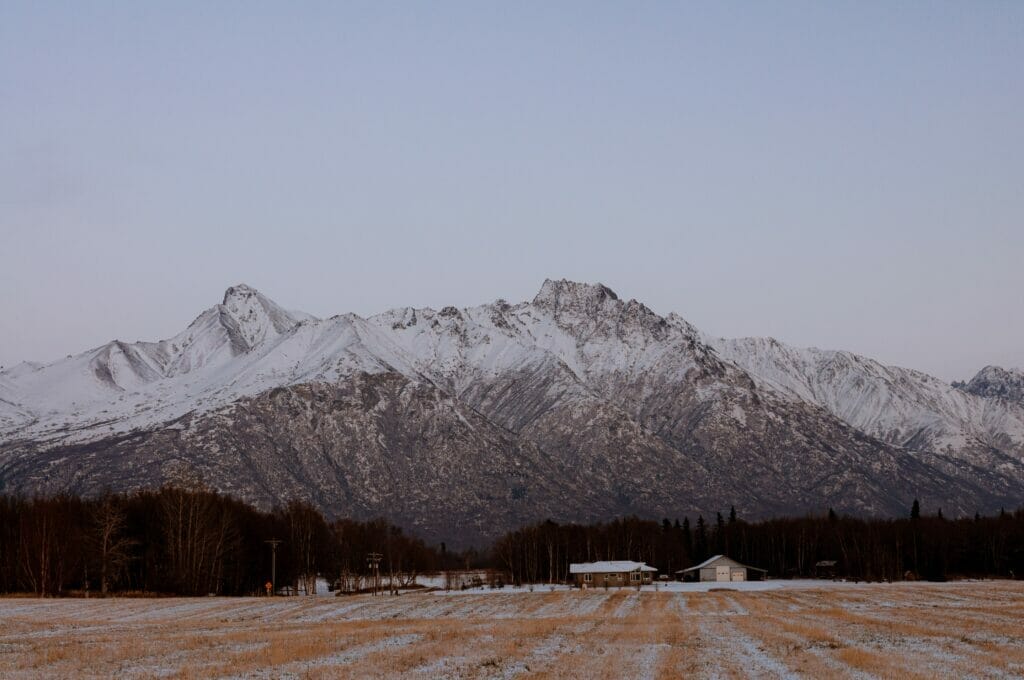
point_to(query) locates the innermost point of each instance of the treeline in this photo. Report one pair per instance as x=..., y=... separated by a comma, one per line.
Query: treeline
x=197, y=542
x=190, y=542
x=918, y=547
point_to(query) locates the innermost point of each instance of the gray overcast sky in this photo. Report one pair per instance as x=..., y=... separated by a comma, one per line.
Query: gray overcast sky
x=842, y=175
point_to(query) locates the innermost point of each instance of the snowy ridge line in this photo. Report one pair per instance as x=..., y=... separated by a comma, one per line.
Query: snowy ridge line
x=901, y=406
x=581, y=338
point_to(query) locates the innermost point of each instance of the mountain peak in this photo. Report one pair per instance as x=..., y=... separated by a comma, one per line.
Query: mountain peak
x=996, y=381
x=269, y=409
x=238, y=292
x=564, y=292
x=253, y=316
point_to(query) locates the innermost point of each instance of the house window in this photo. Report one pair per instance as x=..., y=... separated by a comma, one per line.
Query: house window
x=588, y=577
x=635, y=576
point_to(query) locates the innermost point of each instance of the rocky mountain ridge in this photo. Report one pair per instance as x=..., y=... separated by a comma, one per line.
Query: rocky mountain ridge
x=464, y=422
x=996, y=382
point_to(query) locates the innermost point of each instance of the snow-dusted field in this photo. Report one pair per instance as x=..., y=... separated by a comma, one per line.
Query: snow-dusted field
x=667, y=587
x=784, y=629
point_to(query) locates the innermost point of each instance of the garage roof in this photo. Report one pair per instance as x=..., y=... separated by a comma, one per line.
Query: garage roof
x=711, y=560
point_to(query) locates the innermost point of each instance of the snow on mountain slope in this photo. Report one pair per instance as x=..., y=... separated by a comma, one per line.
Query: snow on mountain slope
x=578, y=361
x=898, y=405
x=239, y=348
x=616, y=410
x=584, y=329
x=606, y=336
x=575, y=341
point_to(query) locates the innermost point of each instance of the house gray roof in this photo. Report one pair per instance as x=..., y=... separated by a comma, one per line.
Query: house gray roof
x=711, y=560
x=609, y=567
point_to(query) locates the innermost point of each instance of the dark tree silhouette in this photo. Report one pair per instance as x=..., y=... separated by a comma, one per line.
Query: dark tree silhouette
x=700, y=547
x=195, y=541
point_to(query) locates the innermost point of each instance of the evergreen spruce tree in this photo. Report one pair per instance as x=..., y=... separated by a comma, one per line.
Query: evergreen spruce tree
x=732, y=514
x=915, y=510
x=687, y=538
x=719, y=534
x=701, y=541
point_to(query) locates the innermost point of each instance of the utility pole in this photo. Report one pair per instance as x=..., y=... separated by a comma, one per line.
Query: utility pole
x=373, y=561
x=274, y=542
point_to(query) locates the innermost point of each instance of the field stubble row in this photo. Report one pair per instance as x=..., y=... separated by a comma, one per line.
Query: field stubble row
x=900, y=630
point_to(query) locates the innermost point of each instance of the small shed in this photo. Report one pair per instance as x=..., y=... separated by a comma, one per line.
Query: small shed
x=615, y=573
x=722, y=568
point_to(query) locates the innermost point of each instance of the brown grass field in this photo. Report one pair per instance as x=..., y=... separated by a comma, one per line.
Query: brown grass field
x=955, y=630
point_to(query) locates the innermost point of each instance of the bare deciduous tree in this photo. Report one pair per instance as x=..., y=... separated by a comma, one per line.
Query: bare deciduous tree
x=199, y=533
x=111, y=548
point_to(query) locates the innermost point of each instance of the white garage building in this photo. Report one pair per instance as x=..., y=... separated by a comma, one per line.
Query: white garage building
x=722, y=568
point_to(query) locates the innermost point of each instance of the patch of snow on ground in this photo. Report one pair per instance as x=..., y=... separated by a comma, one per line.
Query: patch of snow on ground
x=675, y=587
x=755, y=661
x=646, y=660
x=626, y=607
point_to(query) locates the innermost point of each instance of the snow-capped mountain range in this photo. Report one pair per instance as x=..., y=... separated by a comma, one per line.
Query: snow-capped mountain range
x=574, y=405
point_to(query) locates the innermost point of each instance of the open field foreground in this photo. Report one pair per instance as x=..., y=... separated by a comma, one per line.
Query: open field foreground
x=914, y=630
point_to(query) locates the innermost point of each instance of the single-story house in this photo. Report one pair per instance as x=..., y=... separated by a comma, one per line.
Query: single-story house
x=722, y=568
x=613, y=573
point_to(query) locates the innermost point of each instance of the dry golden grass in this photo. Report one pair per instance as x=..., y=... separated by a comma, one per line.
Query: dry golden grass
x=889, y=631
x=871, y=662
x=914, y=636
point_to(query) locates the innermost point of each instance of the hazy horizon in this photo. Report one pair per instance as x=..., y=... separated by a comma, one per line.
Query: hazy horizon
x=845, y=176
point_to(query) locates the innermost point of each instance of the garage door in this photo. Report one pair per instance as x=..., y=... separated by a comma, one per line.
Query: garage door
x=739, y=575
x=721, y=573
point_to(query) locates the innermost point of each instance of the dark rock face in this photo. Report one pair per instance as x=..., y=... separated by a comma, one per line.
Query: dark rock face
x=463, y=423
x=382, y=445
x=994, y=382
x=374, y=445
